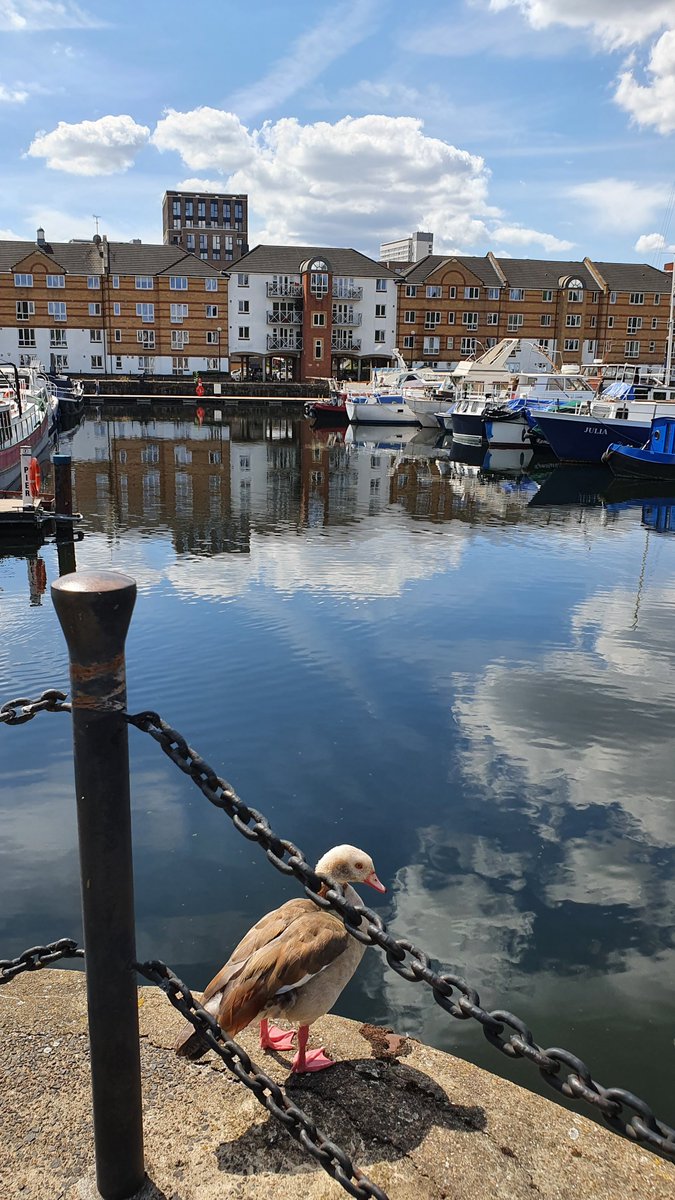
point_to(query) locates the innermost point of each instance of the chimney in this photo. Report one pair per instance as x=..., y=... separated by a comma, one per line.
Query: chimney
x=40, y=238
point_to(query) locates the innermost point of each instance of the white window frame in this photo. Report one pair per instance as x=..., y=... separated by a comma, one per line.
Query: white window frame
x=178, y=283
x=144, y=283
x=93, y=282
x=23, y=280
x=55, y=281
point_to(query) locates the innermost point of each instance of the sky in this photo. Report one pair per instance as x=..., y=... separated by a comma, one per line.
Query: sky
x=532, y=128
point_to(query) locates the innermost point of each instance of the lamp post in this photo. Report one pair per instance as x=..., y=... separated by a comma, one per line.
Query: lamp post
x=219, y=352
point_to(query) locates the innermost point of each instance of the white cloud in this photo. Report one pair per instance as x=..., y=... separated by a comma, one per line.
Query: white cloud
x=318, y=183
x=32, y=15
x=101, y=147
x=308, y=57
x=652, y=103
x=616, y=22
x=12, y=95
x=517, y=235
x=8, y=235
x=650, y=243
x=621, y=204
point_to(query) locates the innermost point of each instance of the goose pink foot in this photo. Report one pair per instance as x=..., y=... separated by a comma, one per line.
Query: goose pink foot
x=273, y=1038
x=309, y=1060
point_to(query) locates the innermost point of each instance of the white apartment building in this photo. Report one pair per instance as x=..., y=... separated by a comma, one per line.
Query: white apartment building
x=409, y=249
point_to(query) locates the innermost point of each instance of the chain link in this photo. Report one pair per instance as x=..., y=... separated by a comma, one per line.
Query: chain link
x=38, y=957
x=332, y=1158
x=17, y=712
x=503, y=1029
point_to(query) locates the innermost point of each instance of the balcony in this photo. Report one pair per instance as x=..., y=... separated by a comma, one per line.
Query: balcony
x=275, y=342
x=285, y=318
x=345, y=345
x=284, y=289
x=343, y=291
x=350, y=319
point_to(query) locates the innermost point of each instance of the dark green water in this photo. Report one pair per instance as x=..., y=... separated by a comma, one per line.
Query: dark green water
x=469, y=677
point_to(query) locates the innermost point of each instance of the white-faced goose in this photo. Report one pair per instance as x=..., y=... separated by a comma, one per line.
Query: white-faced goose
x=292, y=965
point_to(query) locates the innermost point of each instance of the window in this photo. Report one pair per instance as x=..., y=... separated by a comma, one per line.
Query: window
x=633, y=324
x=432, y=319
x=451, y=318
x=212, y=337
x=492, y=293
x=95, y=335
x=175, y=208
x=178, y=283
x=57, y=309
x=115, y=280
x=449, y=343
x=547, y=296
x=470, y=319
x=467, y=346
x=380, y=285
x=411, y=290
x=492, y=318
x=516, y=293
x=610, y=322
x=189, y=241
x=472, y=293
x=214, y=210
x=573, y=320
x=57, y=338
x=203, y=242
x=244, y=306
x=631, y=349
x=94, y=310
x=434, y=291
x=380, y=310
x=23, y=281
x=189, y=208
x=179, y=338
x=55, y=281
x=655, y=322
x=318, y=284
x=318, y=318
x=515, y=321
x=212, y=310
x=144, y=283
x=201, y=209
x=595, y=296
x=146, y=363
x=242, y=280
x=612, y=297
x=490, y=342
x=25, y=309
x=575, y=296
x=571, y=344
x=117, y=309
x=636, y=298
x=216, y=241
x=408, y=341
x=452, y=293
x=379, y=335
x=318, y=347
x=146, y=337
x=244, y=333
x=96, y=362
x=593, y=322
x=657, y=298
x=146, y=312
x=210, y=285
x=26, y=337
x=117, y=335
x=118, y=362
x=93, y=282
x=409, y=317
x=431, y=345
x=60, y=362
x=178, y=313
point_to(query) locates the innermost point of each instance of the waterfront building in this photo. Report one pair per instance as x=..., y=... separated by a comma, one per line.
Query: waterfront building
x=303, y=313
x=212, y=225
x=111, y=308
x=408, y=249
x=580, y=312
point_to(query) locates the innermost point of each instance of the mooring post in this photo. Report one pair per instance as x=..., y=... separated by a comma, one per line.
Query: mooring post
x=63, y=493
x=94, y=610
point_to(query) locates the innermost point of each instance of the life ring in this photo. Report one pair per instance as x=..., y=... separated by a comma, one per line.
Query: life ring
x=199, y=389
x=34, y=477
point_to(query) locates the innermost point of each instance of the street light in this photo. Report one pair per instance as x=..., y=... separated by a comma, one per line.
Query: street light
x=219, y=333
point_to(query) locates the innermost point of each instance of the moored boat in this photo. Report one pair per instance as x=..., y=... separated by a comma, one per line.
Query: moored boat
x=654, y=461
x=25, y=413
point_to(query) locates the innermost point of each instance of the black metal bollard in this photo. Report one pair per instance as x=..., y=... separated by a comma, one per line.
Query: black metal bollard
x=94, y=610
x=63, y=493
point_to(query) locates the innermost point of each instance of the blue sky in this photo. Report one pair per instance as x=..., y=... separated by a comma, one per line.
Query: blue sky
x=535, y=128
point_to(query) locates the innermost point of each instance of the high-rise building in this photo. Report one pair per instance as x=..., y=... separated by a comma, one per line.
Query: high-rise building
x=407, y=250
x=211, y=225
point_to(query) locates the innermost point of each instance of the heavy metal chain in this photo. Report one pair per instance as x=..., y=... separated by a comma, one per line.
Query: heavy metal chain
x=622, y=1110
x=332, y=1158
x=38, y=957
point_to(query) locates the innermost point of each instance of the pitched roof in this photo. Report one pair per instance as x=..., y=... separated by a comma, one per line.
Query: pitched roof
x=481, y=267
x=267, y=260
x=634, y=277
x=125, y=258
x=544, y=273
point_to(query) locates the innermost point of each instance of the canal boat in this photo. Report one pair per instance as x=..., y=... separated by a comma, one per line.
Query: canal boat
x=26, y=414
x=654, y=461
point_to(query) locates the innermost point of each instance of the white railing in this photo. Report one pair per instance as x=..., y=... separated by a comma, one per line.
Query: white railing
x=284, y=318
x=343, y=291
x=350, y=319
x=284, y=289
x=276, y=343
x=345, y=345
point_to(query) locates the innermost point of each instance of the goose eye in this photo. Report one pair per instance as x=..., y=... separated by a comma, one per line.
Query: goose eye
x=359, y=866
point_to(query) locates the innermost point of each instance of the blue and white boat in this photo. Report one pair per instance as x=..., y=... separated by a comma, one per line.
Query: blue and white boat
x=622, y=414
x=380, y=409
x=654, y=460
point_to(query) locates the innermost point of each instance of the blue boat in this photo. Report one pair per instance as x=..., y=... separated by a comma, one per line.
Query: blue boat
x=584, y=438
x=653, y=460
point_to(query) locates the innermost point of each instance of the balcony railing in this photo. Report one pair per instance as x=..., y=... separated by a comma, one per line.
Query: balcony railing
x=274, y=342
x=349, y=319
x=342, y=291
x=344, y=345
x=284, y=318
x=284, y=289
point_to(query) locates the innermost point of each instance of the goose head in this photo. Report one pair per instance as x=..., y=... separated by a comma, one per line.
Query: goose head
x=347, y=864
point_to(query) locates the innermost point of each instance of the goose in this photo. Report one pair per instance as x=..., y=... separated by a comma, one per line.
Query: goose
x=292, y=964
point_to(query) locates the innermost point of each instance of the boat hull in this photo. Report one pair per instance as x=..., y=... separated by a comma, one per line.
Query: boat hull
x=10, y=456
x=584, y=438
x=631, y=463
x=380, y=412
x=510, y=433
x=467, y=428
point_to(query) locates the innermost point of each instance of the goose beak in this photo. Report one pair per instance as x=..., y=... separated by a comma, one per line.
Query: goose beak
x=374, y=882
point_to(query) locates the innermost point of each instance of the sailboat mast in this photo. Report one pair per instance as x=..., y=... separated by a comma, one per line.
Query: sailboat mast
x=669, y=343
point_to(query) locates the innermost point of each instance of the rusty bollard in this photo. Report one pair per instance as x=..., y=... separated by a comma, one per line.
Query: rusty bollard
x=94, y=609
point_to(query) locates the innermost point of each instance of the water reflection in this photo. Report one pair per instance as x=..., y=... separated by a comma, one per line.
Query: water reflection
x=464, y=666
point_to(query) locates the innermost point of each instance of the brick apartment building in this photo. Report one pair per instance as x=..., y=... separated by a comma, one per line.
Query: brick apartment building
x=212, y=226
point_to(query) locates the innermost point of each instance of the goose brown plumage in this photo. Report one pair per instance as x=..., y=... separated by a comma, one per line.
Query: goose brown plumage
x=293, y=965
